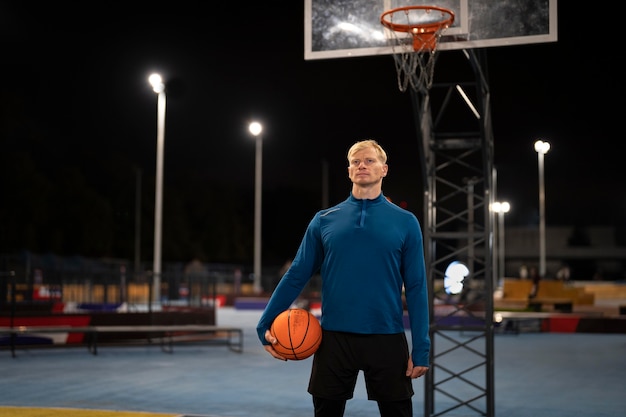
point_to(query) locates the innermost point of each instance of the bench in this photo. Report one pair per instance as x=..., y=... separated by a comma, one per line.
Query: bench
x=166, y=334
x=515, y=294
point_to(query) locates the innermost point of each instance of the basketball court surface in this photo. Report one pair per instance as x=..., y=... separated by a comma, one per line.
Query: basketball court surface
x=536, y=375
x=66, y=412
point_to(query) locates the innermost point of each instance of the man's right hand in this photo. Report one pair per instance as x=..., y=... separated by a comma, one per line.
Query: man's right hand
x=270, y=347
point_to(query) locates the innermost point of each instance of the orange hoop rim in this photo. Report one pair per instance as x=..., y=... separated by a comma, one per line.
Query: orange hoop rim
x=430, y=27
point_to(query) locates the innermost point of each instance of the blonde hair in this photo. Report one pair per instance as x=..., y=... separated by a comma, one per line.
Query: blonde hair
x=368, y=143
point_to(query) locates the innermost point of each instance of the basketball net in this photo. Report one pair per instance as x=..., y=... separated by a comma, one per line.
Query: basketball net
x=413, y=32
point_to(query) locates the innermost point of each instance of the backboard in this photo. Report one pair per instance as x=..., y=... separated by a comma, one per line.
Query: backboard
x=348, y=28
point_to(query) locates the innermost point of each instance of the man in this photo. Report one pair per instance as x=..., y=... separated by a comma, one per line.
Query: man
x=368, y=251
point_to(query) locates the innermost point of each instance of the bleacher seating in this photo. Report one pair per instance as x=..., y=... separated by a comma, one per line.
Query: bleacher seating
x=550, y=295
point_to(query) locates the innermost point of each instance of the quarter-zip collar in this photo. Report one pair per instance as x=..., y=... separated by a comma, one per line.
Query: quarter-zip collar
x=365, y=204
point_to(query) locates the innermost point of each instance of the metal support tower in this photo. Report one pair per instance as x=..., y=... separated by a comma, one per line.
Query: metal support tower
x=453, y=124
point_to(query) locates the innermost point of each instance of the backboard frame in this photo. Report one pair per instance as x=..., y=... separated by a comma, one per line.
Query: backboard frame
x=528, y=22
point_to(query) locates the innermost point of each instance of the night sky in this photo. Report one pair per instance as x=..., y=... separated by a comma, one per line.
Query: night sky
x=78, y=80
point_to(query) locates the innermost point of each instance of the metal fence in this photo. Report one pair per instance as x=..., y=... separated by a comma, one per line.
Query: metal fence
x=29, y=278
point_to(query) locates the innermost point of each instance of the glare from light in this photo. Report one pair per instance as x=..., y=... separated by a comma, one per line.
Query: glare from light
x=454, y=277
x=542, y=147
x=360, y=30
x=501, y=207
x=255, y=128
x=468, y=101
x=156, y=82
x=497, y=318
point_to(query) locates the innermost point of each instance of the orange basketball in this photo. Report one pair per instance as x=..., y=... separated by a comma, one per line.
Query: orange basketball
x=298, y=332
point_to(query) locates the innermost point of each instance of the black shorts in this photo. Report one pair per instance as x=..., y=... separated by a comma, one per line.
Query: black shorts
x=383, y=358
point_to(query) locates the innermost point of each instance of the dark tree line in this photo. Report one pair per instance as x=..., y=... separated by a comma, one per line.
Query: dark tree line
x=80, y=202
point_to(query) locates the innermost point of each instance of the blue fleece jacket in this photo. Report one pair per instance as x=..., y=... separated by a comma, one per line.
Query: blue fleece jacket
x=367, y=252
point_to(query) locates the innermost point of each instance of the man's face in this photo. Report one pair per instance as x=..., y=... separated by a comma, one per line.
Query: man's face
x=365, y=168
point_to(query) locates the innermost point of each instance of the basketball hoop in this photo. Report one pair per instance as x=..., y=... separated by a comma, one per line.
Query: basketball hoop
x=413, y=33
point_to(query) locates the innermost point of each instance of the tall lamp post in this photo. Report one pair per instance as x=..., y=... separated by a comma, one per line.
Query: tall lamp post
x=256, y=129
x=159, y=87
x=500, y=208
x=542, y=148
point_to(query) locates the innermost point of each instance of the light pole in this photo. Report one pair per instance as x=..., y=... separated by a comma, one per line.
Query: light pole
x=256, y=129
x=159, y=87
x=500, y=208
x=542, y=148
